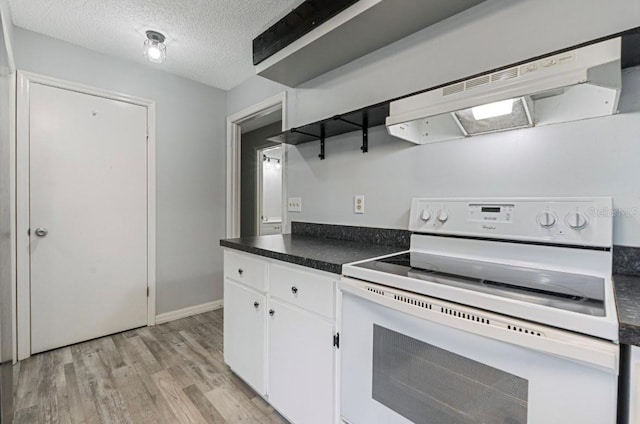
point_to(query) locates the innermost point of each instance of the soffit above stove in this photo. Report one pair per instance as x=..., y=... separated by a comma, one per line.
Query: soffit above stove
x=573, y=85
x=321, y=35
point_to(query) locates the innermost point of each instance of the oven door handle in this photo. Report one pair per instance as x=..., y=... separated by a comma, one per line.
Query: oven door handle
x=578, y=348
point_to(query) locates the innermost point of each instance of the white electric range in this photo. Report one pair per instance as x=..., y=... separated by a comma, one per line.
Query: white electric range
x=502, y=311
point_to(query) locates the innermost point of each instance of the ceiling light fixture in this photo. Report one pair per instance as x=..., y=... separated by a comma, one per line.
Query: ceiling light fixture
x=154, y=47
x=267, y=162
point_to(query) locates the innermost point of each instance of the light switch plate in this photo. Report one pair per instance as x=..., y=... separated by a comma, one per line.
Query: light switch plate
x=358, y=203
x=294, y=204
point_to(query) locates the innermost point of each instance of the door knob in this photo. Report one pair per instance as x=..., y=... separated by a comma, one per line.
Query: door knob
x=41, y=232
x=272, y=312
x=256, y=305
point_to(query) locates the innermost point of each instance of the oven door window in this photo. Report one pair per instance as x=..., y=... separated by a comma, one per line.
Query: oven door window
x=427, y=384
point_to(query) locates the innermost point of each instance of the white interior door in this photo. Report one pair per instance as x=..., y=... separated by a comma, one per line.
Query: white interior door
x=88, y=216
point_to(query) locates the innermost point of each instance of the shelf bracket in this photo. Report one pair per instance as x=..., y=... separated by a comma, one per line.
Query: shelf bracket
x=322, y=134
x=365, y=132
x=364, y=127
x=321, y=137
x=295, y=130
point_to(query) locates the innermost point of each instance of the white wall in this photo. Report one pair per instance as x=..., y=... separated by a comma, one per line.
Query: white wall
x=595, y=157
x=7, y=36
x=190, y=160
x=493, y=34
x=251, y=92
x=6, y=276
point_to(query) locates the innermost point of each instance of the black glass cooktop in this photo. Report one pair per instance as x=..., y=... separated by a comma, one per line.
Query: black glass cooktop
x=571, y=292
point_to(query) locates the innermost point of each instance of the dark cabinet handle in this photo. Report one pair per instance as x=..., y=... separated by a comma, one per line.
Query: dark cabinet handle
x=240, y=271
x=294, y=289
x=256, y=304
x=272, y=312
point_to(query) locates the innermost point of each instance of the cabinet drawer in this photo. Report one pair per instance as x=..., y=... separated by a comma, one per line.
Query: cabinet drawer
x=267, y=228
x=304, y=289
x=246, y=270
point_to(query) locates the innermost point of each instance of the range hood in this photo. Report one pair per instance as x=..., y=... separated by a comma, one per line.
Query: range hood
x=573, y=85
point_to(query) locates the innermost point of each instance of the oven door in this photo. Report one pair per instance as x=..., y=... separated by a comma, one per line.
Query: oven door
x=410, y=358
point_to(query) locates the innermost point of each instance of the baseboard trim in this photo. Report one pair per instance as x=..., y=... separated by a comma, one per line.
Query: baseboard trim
x=189, y=311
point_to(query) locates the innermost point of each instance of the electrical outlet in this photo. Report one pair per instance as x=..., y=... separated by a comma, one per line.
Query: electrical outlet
x=358, y=203
x=294, y=204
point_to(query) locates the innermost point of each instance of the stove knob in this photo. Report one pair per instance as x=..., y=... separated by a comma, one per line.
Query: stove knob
x=577, y=220
x=443, y=215
x=426, y=215
x=547, y=219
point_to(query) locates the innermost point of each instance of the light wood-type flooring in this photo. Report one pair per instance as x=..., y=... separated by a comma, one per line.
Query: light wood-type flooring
x=169, y=373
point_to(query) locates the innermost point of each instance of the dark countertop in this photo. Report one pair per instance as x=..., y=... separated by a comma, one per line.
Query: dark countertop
x=324, y=254
x=627, y=289
x=306, y=247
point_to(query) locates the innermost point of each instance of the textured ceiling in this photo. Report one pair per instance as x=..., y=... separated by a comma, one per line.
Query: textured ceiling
x=207, y=40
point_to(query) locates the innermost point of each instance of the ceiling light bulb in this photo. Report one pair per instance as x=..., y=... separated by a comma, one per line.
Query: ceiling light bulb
x=154, y=53
x=154, y=47
x=491, y=110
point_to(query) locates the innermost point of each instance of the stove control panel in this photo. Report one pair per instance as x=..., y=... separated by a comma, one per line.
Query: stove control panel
x=491, y=212
x=575, y=221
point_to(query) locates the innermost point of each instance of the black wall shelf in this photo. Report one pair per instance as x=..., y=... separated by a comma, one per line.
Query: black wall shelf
x=361, y=119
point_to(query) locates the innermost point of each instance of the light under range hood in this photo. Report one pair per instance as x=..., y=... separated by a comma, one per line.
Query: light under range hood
x=569, y=86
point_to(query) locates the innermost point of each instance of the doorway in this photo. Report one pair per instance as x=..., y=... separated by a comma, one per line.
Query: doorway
x=85, y=213
x=254, y=166
x=271, y=111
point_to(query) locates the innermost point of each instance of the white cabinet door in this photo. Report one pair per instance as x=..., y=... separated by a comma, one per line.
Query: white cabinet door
x=244, y=333
x=301, y=364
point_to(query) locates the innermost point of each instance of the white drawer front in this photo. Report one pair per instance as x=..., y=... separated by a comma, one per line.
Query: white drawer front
x=245, y=269
x=304, y=289
x=270, y=228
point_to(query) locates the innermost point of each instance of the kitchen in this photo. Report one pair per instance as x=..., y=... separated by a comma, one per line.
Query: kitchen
x=594, y=157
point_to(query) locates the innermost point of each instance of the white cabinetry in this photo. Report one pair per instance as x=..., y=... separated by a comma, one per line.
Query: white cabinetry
x=245, y=282
x=634, y=386
x=244, y=333
x=279, y=327
x=267, y=228
x=246, y=270
x=301, y=364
